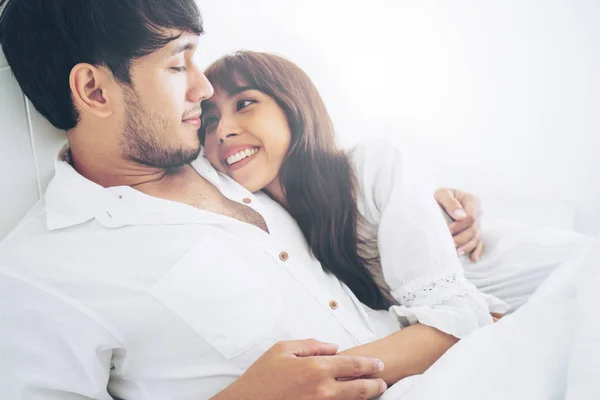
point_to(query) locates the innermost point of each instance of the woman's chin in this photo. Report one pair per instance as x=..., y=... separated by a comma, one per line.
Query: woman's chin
x=253, y=187
x=250, y=183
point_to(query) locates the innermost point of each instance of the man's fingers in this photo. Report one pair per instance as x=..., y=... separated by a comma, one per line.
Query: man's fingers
x=308, y=348
x=476, y=254
x=447, y=200
x=469, y=247
x=360, y=389
x=354, y=366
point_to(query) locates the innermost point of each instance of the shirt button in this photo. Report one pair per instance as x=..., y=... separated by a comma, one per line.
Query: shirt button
x=333, y=305
x=283, y=256
x=247, y=200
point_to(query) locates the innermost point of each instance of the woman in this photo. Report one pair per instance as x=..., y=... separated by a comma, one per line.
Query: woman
x=361, y=213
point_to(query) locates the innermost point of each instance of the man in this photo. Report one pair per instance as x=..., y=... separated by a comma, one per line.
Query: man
x=105, y=284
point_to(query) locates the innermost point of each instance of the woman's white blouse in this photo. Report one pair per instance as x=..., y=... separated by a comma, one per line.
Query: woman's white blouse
x=403, y=225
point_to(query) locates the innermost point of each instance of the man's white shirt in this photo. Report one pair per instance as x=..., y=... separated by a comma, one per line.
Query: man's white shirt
x=169, y=300
x=108, y=290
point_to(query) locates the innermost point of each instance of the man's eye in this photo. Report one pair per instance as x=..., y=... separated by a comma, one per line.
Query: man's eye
x=241, y=104
x=178, y=69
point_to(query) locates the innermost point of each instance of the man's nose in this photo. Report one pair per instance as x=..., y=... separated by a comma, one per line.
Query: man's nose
x=200, y=87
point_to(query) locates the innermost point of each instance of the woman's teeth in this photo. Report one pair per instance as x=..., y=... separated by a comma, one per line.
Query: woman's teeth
x=240, y=155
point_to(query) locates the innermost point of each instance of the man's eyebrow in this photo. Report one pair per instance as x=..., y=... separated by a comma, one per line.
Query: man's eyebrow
x=183, y=47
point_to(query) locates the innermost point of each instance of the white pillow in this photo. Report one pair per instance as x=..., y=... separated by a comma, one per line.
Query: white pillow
x=517, y=258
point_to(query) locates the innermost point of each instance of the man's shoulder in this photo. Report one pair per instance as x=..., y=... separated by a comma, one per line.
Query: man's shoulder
x=30, y=225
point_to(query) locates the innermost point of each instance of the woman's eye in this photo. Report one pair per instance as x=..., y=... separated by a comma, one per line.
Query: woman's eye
x=178, y=69
x=241, y=104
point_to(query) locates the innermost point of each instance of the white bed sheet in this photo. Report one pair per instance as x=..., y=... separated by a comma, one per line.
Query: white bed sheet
x=517, y=258
x=548, y=349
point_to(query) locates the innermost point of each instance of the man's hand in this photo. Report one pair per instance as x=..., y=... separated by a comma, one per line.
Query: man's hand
x=307, y=369
x=465, y=210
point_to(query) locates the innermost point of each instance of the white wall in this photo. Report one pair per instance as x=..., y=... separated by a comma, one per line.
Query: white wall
x=499, y=97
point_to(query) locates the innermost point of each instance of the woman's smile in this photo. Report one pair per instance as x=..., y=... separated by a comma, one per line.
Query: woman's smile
x=240, y=158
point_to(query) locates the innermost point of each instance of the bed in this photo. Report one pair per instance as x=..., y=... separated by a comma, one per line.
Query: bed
x=549, y=348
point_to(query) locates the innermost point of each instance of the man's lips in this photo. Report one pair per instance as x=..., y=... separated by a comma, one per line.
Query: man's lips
x=196, y=121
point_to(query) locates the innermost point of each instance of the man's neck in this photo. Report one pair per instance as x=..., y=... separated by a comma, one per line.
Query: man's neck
x=108, y=172
x=108, y=168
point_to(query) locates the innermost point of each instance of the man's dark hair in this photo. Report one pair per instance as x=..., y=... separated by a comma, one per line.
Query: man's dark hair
x=44, y=39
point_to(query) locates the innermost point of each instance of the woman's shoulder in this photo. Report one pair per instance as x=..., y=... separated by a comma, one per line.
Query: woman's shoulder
x=372, y=146
x=371, y=155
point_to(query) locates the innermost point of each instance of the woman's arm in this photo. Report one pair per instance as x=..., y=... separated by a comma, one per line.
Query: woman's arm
x=417, y=252
x=407, y=352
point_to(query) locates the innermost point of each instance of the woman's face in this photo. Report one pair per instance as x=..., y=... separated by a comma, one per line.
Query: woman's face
x=247, y=137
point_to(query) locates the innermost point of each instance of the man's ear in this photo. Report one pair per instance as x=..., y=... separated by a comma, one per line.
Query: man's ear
x=90, y=89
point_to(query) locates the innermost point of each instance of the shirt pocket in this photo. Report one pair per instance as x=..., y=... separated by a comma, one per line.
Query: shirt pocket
x=228, y=297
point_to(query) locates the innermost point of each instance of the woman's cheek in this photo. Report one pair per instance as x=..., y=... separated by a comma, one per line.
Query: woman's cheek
x=212, y=157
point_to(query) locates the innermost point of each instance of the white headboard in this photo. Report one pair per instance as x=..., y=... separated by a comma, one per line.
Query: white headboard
x=28, y=144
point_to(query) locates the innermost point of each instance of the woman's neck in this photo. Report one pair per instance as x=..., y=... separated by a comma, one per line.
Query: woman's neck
x=276, y=192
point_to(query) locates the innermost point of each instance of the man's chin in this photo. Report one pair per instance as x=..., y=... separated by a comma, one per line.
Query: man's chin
x=182, y=157
x=169, y=159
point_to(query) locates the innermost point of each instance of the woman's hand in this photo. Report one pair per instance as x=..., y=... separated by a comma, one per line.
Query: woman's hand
x=465, y=209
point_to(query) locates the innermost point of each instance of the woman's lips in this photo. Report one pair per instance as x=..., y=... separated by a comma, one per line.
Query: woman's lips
x=241, y=163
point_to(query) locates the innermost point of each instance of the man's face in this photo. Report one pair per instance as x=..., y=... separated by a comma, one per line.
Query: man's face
x=162, y=108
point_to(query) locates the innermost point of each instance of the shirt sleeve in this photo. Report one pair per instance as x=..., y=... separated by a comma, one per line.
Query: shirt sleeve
x=418, y=258
x=49, y=349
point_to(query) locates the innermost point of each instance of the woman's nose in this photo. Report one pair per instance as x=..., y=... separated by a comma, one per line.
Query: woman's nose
x=224, y=137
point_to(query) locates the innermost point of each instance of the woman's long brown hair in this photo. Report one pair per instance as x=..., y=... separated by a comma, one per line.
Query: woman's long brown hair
x=316, y=176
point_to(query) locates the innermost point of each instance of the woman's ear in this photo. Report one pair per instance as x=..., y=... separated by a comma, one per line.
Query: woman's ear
x=90, y=87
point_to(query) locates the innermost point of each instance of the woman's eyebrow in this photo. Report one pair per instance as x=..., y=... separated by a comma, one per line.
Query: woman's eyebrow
x=239, y=90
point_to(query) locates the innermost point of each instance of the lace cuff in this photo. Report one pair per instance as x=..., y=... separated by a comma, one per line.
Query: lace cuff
x=449, y=303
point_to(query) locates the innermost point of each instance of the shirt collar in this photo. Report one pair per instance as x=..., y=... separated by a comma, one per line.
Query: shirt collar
x=72, y=199
x=206, y=170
